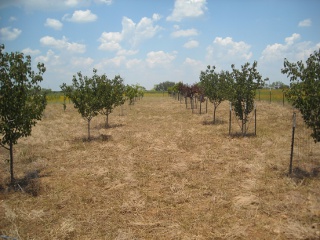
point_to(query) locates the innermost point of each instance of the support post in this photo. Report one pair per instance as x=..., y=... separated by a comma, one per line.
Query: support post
x=230, y=118
x=255, y=120
x=292, y=141
x=270, y=95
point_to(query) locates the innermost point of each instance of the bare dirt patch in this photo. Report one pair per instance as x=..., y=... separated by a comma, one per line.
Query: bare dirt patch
x=159, y=172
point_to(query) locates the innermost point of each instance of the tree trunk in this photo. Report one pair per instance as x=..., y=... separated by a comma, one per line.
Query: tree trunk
x=107, y=120
x=214, y=114
x=11, y=164
x=243, y=127
x=89, y=129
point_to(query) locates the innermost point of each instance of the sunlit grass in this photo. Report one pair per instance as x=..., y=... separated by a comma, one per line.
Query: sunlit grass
x=160, y=174
x=276, y=95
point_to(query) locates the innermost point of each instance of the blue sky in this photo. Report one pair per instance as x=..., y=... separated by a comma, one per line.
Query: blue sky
x=152, y=41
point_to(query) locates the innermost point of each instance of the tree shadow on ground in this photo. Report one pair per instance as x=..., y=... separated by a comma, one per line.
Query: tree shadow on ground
x=241, y=135
x=29, y=184
x=103, y=126
x=101, y=137
x=210, y=122
x=299, y=173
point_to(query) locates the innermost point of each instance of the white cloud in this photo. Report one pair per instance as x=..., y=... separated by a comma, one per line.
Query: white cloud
x=63, y=44
x=192, y=62
x=290, y=40
x=159, y=58
x=53, y=23
x=12, y=19
x=291, y=49
x=191, y=44
x=82, y=62
x=225, y=49
x=49, y=57
x=305, y=23
x=185, y=33
x=80, y=16
x=110, y=62
x=109, y=46
x=156, y=17
x=108, y=2
x=131, y=32
x=272, y=57
x=8, y=34
x=72, y=3
x=133, y=62
x=29, y=51
x=187, y=8
x=192, y=68
x=32, y=5
x=125, y=52
x=144, y=30
x=110, y=41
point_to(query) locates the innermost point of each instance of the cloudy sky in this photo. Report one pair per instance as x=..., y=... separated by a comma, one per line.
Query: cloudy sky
x=152, y=41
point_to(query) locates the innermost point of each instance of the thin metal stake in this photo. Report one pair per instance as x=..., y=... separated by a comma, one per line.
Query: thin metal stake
x=292, y=141
x=230, y=118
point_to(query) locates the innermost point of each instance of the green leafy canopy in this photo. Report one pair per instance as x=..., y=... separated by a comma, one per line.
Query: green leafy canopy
x=304, y=91
x=21, y=100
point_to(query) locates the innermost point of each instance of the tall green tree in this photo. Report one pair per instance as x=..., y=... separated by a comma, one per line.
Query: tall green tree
x=84, y=96
x=304, y=91
x=163, y=86
x=21, y=101
x=111, y=94
x=245, y=82
x=215, y=86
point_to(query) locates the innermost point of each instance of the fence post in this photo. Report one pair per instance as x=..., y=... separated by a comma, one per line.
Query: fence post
x=270, y=95
x=292, y=141
x=230, y=119
x=255, y=120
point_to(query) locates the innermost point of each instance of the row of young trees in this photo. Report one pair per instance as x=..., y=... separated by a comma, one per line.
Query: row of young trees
x=239, y=87
x=99, y=95
x=22, y=101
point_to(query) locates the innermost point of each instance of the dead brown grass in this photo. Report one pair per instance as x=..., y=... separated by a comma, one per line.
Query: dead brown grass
x=159, y=172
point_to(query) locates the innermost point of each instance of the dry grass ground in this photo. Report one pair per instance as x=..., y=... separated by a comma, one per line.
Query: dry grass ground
x=159, y=172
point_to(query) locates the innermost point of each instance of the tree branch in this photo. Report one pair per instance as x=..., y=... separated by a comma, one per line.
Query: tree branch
x=4, y=146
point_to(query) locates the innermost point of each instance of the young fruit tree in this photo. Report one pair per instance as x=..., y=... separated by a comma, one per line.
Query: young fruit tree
x=131, y=92
x=304, y=91
x=21, y=100
x=65, y=89
x=84, y=96
x=215, y=86
x=245, y=82
x=111, y=94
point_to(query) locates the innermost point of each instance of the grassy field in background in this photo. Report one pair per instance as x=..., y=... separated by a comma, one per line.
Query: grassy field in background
x=276, y=95
x=159, y=172
x=261, y=94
